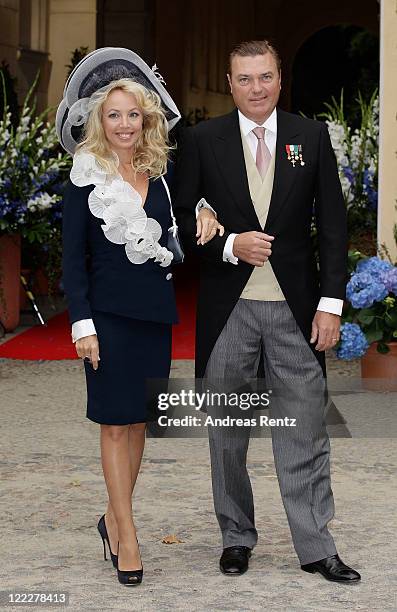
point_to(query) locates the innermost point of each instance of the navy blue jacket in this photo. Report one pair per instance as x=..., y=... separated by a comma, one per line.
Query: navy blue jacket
x=97, y=274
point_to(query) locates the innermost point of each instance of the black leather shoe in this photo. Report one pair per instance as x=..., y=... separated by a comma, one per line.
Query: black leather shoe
x=332, y=568
x=234, y=560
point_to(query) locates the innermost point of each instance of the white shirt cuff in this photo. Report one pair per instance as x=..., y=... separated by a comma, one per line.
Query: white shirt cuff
x=331, y=305
x=83, y=328
x=228, y=250
x=204, y=204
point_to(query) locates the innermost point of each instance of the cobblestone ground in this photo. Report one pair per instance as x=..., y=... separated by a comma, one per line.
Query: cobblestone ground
x=53, y=495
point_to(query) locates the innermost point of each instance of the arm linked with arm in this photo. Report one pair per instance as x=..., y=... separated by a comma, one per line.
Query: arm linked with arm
x=186, y=195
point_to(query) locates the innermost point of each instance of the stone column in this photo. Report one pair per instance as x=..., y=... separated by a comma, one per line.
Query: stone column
x=72, y=24
x=9, y=29
x=387, y=214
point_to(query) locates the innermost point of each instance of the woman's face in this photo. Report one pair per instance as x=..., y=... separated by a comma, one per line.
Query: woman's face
x=122, y=120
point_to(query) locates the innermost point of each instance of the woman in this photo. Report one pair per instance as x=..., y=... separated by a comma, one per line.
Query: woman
x=121, y=299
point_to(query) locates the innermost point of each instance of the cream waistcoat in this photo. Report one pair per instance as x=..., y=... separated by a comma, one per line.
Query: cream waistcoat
x=262, y=284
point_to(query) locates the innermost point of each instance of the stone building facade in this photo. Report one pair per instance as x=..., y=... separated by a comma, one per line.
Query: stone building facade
x=190, y=42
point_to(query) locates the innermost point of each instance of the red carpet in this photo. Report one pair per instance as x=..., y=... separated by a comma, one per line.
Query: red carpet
x=53, y=342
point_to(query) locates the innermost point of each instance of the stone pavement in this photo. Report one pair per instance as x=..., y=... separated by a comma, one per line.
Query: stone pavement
x=53, y=495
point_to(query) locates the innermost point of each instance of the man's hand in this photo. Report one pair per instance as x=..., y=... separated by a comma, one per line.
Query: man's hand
x=207, y=226
x=253, y=247
x=88, y=347
x=325, y=330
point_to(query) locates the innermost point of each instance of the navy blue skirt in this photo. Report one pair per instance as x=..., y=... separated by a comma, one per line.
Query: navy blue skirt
x=131, y=353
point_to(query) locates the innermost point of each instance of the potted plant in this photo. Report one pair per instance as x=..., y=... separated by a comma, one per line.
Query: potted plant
x=369, y=321
x=30, y=199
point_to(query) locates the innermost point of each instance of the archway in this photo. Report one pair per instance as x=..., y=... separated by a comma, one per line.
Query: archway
x=333, y=58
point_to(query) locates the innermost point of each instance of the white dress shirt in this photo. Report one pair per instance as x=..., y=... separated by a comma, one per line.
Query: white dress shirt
x=246, y=127
x=83, y=328
x=326, y=304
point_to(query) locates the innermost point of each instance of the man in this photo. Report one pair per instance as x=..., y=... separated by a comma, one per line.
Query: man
x=263, y=170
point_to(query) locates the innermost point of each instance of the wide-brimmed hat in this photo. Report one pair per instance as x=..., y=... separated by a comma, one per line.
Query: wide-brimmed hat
x=95, y=71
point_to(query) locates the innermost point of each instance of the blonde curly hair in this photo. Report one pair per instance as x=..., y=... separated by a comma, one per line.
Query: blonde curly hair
x=151, y=149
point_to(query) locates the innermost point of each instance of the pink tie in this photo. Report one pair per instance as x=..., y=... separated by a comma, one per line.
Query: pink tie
x=263, y=156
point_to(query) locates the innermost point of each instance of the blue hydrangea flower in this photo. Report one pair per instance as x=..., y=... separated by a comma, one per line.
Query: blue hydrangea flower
x=363, y=290
x=374, y=266
x=389, y=279
x=353, y=343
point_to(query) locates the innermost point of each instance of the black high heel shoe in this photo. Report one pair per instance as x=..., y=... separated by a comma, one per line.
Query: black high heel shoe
x=129, y=577
x=103, y=532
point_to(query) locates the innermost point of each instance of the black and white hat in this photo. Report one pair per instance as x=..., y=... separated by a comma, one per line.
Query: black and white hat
x=94, y=72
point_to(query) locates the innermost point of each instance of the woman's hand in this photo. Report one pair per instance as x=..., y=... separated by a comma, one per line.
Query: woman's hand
x=207, y=226
x=88, y=347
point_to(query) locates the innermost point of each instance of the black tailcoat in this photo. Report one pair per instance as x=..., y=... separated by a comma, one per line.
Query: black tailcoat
x=211, y=165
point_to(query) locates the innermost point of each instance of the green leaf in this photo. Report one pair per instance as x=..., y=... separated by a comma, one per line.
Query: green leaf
x=366, y=316
x=374, y=335
x=391, y=318
x=382, y=348
x=4, y=93
x=30, y=92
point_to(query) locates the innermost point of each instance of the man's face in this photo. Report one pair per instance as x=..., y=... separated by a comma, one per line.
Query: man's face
x=255, y=84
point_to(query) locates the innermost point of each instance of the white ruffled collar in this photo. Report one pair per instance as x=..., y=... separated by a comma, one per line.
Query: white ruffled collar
x=120, y=206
